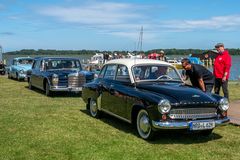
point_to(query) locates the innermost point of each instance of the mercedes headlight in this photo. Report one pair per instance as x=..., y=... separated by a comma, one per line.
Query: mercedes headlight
x=55, y=79
x=21, y=71
x=223, y=104
x=164, y=106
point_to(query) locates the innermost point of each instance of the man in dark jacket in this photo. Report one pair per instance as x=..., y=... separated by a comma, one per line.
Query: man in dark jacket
x=200, y=76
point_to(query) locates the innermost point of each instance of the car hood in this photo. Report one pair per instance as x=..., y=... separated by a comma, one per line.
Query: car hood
x=182, y=93
x=24, y=67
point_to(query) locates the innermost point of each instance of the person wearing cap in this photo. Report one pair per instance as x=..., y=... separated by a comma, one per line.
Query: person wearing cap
x=162, y=56
x=221, y=69
x=200, y=76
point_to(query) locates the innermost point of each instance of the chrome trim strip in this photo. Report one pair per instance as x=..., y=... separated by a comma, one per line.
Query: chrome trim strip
x=185, y=124
x=117, y=116
x=56, y=88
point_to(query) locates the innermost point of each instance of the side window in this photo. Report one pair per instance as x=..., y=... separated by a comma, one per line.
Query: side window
x=78, y=64
x=14, y=62
x=122, y=74
x=101, y=74
x=42, y=65
x=36, y=65
x=110, y=72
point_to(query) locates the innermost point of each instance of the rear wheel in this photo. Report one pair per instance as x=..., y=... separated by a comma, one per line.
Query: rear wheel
x=144, y=127
x=30, y=84
x=17, y=77
x=9, y=77
x=93, y=108
x=48, y=92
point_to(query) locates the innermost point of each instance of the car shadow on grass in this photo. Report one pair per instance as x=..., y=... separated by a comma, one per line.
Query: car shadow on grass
x=161, y=137
x=56, y=94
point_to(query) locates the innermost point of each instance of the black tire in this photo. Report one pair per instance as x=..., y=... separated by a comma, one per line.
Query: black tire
x=48, y=92
x=143, y=125
x=9, y=77
x=30, y=84
x=93, y=108
x=17, y=77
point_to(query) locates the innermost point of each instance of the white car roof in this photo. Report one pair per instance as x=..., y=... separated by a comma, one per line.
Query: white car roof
x=130, y=62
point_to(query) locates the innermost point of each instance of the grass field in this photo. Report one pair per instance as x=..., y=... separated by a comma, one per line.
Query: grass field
x=33, y=126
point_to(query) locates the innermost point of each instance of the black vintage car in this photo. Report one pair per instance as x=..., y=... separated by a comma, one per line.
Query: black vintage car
x=151, y=95
x=58, y=74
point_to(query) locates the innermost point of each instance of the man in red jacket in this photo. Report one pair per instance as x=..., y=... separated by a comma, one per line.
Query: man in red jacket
x=221, y=70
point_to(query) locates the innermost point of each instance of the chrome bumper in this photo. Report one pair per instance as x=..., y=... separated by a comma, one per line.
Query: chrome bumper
x=185, y=124
x=68, y=89
x=22, y=76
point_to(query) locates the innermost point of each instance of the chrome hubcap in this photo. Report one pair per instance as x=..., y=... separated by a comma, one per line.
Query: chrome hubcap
x=93, y=108
x=144, y=124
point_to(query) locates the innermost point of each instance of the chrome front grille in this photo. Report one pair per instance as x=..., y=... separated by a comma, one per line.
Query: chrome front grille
x=76, y=80
x=193, y=113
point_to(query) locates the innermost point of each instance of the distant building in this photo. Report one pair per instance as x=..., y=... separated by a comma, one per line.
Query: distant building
x=209, y=54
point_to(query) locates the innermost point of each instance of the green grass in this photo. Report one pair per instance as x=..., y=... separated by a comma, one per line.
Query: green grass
x=234, y=90
x=33, y=126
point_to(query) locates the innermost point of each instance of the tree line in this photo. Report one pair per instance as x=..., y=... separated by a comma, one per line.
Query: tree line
x=92, y=52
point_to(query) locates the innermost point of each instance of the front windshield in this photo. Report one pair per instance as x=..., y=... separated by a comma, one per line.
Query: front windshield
x=155, y=73
x=25, y=61
x=62, y=64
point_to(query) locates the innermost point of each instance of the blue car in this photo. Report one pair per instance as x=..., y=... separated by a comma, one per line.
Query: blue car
x=19, y=67
x=57, y=74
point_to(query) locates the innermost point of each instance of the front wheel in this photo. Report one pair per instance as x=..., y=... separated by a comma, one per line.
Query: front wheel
x=48, y=92
x=93, y=109
x=144, y=127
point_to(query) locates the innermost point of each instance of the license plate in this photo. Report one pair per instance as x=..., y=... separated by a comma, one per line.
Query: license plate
x=202, y=125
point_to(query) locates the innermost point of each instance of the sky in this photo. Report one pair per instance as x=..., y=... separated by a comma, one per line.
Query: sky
x=116, y=24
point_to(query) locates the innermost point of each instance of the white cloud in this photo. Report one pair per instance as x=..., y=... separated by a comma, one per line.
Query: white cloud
x=229, y=22
x=97, y=14
x=125, y=19
x=118, y=19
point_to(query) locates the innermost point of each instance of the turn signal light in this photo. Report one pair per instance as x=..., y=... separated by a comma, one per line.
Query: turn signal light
x=164, y=117
x=224, y=114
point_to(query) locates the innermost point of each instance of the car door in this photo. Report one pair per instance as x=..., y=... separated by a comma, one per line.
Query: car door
x=35, y=74
x=42, y=74
x=119, y=89
x=114, y=98
x=105, y=83
x=13, y=69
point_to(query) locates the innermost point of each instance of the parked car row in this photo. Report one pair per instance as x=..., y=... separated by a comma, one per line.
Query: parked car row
x=149, y=94
x=50, y=74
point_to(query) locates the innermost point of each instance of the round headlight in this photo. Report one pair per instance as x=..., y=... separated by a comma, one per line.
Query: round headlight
x=21, y=71
x=164, y=106
x=223, y=104
x=55, y=79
